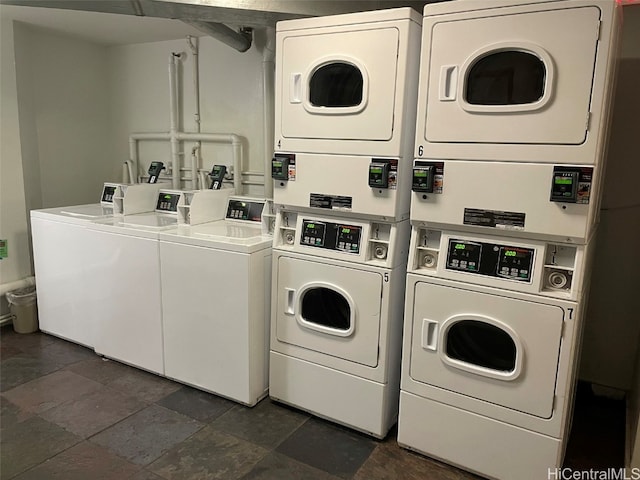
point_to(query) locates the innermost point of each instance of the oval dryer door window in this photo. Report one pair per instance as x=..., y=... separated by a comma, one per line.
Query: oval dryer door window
x=481, y=346
x=506, y=78
x=336, y=85
x=327, y=310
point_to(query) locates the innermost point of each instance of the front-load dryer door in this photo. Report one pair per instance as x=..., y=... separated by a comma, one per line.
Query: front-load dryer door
x=338, y=85
x=329, y=309
x=493, y=348
x=521, y=78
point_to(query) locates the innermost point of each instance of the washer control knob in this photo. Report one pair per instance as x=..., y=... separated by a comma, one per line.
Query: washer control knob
x=289, y=238
x=380, y=252
x=558, y=280
x=429, y=260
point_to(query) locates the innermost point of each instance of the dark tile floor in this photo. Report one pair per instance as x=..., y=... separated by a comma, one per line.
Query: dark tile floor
x=68, y=414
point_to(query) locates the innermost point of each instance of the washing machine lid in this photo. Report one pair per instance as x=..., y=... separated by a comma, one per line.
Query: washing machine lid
x=223, y=234
x=78, y=214
x=494, y=348
x=147, y=225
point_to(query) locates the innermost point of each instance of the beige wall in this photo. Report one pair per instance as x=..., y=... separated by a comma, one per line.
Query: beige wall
x=13, y=216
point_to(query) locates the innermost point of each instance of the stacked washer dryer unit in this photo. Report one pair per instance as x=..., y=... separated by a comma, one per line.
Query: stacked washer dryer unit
x=346, y=97
x=512, y=117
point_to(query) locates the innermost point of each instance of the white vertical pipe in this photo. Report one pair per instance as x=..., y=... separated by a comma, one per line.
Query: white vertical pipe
x=237, y=166
x=268, y=95
x=196, y=151
x=133, y=157
x=173, y=118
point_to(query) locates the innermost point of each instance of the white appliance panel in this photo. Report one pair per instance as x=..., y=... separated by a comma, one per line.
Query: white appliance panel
x=344, y=176
x=124, y=288
x=534, y=328
x=374, y=51
x=489, y=447
x=520, y=188
x=216, y=326
x=60, y=253
x=358, y=339
x=559, y=117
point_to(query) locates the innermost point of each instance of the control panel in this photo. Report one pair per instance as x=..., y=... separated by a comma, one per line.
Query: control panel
x=332, y=236
x=154, y=171
x=217, y=176
x=168, y=202
x=490, y=259
x=244, y=210
x=571, y=184
x=427, y=177
x=107, y=194
x=379, y=173
x=282, y=166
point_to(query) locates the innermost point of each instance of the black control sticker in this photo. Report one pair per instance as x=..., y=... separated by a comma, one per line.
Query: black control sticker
x=494, y=219
x=330, y=202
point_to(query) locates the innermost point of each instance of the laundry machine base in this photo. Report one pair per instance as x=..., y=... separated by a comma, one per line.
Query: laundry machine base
x=355, y=402
x=473, y=442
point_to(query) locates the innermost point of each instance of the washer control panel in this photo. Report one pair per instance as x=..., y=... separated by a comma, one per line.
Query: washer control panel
x=244, y=210
x=168, y=202
x=107, y=193
x=331, y=236
x=490, y=259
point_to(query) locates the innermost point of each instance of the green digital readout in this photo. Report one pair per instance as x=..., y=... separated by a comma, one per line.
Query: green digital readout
x=376, y=170
x=167, y=197
x=346, y=230
x=510, y=253
x=311, y=225
x=420, y=173
x=564, y=180
x=276, y=163
x=460, y=246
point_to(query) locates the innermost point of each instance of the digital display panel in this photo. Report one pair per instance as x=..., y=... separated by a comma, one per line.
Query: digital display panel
x=168, y=202
x=493, y=260
x=331, y=236
x=107, y=193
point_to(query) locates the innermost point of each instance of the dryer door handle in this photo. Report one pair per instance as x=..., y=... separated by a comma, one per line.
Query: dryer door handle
x=295, y=88
x=290, y=308
x=448, y=83
x=429, y=334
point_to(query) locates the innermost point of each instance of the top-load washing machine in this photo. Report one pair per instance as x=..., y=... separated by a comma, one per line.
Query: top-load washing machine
x=517, y=80
x=345, y=105
x=513, y=115
x=216, y=287
x=61, y=251
x=123, y=275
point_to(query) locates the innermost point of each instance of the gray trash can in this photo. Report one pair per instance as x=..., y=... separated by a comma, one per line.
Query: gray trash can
x=24, y=308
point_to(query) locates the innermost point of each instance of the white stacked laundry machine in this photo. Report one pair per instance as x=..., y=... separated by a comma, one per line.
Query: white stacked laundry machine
x=346, y=97
x=511, y=127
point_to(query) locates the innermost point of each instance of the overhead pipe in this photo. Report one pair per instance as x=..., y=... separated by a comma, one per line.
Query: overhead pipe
x=240, y=41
